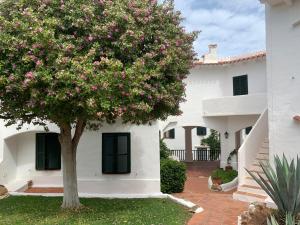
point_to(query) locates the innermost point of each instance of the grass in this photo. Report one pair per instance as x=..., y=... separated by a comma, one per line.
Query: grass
x=225, y=176
x=46, y=211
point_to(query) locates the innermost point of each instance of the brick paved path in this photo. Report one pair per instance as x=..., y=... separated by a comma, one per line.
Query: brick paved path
x=219, y=208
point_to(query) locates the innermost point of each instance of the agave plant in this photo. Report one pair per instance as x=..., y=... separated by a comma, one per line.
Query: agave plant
x=282, y=184
x=288, y=221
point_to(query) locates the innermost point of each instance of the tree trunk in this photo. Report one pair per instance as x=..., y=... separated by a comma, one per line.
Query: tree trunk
x=68, y=150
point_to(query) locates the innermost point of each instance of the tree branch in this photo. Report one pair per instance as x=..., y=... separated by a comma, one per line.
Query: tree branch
x=78, y=132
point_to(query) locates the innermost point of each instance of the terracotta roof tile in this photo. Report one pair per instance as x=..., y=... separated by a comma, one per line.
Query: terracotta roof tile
x=232, y=60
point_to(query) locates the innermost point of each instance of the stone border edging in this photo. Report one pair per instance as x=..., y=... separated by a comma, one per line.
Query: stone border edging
x=195, y=208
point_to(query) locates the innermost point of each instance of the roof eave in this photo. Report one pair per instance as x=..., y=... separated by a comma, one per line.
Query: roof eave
x=277, y=2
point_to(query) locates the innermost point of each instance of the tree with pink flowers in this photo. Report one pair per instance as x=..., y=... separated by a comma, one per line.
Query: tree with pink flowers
x=79, y=63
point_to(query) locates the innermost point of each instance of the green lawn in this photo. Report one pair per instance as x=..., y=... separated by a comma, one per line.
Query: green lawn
x=42, y=210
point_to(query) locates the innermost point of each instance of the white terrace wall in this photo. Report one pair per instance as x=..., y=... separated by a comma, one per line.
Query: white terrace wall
x=18, y=161
x=213, y=81
x=283, y=70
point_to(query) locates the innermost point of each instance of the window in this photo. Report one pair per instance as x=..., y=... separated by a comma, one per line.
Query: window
x=116, y=153
x=248, y=130
x=170, y=134
x=240, y=85
x=48, y=151
x=201, y=131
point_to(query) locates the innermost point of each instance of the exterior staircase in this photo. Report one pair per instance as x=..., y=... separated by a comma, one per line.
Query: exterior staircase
x=249, y=190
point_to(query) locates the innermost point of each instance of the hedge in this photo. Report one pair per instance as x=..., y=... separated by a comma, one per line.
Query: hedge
x=173, y=176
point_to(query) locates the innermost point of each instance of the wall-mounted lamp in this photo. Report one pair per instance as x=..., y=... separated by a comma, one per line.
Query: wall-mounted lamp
x=226, y=134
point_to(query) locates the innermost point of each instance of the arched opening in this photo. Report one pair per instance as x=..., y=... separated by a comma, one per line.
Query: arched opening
x=31, y=154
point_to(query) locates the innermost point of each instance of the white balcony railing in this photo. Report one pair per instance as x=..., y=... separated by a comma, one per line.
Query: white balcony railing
x=253, y=104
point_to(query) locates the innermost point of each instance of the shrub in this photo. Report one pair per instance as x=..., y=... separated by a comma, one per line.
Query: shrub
x=173, y=176
x=164, y=150
x=282, y=184
x=225, y=176
x=213, y=141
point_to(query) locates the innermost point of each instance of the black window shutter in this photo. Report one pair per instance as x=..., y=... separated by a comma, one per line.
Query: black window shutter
x=53, y=152
x=236, y=86
x=244, y=85
x=172, y=133
x=201, y=131
x=240, y=85
x=116, y=153
x=108, y=152
x=40, y=152
x=48, y=152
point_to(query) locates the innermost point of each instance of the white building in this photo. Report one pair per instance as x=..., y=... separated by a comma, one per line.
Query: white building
x=279, y=125
x=271, y=104
x=227, y=95
x=117, y=160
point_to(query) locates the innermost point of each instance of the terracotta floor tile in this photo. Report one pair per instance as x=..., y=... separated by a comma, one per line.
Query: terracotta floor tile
x=219, y=208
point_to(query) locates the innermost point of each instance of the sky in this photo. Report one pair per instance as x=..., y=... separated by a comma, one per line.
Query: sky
x=237, y=26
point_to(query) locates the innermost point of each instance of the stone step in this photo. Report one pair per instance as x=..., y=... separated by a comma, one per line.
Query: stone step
x=262, y=157
x=252, y=189
x=258, y=172
x=250, y=181
x=264, y=150
x=248, y=197
x=256, y=162
x=265, y=145
x=17, y=186
x=256, y=167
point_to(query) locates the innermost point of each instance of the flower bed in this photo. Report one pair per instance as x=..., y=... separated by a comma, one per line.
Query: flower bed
x=223, y=180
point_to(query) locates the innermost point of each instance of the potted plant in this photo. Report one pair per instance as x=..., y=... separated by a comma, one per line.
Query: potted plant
x=231, y=154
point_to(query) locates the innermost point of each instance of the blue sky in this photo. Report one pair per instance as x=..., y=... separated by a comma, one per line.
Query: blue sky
x=237, y=26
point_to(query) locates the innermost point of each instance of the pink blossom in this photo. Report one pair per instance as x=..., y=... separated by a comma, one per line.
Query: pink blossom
x=11, y=77
x=90, y=38
x=94, y=88
x=178, y=43
x=82, y=76
x=101, y=2
x=77, y=89
x=123, y=75
x=96, y=63
x=39, y=62
x=29, y=75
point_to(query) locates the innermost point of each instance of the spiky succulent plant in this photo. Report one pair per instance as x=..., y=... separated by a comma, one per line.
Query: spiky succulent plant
x=281, y=183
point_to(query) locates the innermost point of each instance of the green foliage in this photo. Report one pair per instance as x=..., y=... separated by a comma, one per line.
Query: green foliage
x=282, y=184
x=164, y=150
x=225, y=176
x=290, y=220
x=172, y=175
x=213, y=140
x=65, y=61
x=21, y=210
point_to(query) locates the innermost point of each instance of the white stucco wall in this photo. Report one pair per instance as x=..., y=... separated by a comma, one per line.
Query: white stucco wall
x=145, y=170
x=283, y=71
x=208, y=83
x=215, y=81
